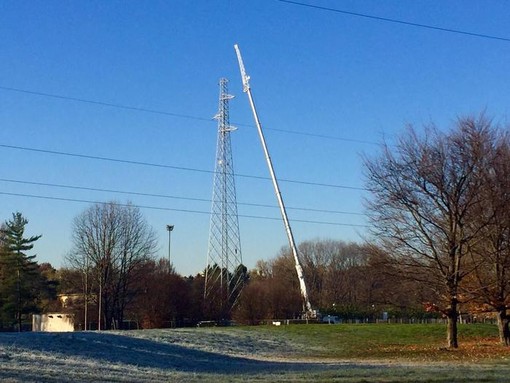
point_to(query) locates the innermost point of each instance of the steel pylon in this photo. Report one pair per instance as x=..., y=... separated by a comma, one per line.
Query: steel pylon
x=225, y=273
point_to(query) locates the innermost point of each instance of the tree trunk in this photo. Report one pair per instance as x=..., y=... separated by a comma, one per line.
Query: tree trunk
x=503, y=327
x=452, y=333
x=18, y=299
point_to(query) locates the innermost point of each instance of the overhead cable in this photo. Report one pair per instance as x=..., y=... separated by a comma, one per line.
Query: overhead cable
x=171, y=209
x=177, y=115
x=396, y=21
x=150, y=164
x=74, y=187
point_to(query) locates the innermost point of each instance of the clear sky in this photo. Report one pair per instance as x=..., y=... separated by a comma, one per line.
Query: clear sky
x=328, y=85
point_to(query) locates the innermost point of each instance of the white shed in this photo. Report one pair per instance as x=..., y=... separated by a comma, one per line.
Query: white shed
x=53, y=322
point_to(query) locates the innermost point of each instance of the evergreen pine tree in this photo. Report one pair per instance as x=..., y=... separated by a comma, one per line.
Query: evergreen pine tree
x=19, y=274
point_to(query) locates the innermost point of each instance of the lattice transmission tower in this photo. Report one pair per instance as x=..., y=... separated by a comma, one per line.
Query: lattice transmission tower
x=225, y=273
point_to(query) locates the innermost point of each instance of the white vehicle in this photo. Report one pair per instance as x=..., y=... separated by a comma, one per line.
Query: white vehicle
x=331, y=319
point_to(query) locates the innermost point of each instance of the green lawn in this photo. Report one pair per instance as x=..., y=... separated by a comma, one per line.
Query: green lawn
x=402, y=342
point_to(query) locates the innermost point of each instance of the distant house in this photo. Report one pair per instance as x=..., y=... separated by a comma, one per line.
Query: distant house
x=53, y=322
x=68, y=300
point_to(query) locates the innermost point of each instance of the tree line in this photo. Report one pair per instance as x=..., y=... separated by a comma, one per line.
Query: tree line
x=439, y=247
x=112, y=275
x=113, y=280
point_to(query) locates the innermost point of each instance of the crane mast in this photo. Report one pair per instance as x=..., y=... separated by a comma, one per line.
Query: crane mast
x=299, y=270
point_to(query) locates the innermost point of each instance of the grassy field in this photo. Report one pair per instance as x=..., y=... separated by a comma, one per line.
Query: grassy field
x=296, y=353
x=397, y=342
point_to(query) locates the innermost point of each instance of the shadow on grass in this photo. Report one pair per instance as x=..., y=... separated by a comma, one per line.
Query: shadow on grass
x=92, y=357
x=108, y=348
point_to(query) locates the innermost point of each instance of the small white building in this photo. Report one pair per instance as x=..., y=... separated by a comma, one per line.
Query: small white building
x=53, y=322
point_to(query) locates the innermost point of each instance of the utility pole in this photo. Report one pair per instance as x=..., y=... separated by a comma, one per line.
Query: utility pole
x=307, y=308
x=86, y=313
x=100, y=305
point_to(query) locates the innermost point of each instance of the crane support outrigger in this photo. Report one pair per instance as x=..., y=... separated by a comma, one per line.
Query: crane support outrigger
x=307, y=307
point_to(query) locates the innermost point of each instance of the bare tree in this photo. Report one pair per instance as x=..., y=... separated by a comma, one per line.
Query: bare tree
x=111, y=241
x=272, y=291
x=425, y=195
x=331, y=270
x=254, y=302
x=163, y=298
x=491, y=255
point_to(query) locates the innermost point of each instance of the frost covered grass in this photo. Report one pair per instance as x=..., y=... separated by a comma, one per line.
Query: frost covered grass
x=319, y=353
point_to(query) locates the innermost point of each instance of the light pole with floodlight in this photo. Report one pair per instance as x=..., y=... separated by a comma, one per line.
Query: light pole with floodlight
x=169, y=228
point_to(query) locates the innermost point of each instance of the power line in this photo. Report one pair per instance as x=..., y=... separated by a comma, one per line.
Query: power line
x=74, y=187
x=396, y=21
x=323, y=136
x=177, y=115
x=37, y=196
x=102, y=103
x=150, y=164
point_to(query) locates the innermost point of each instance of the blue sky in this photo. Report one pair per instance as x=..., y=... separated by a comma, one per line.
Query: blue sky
x=327, y=86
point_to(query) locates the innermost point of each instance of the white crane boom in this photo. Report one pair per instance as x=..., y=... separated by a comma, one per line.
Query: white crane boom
x=246, y=88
